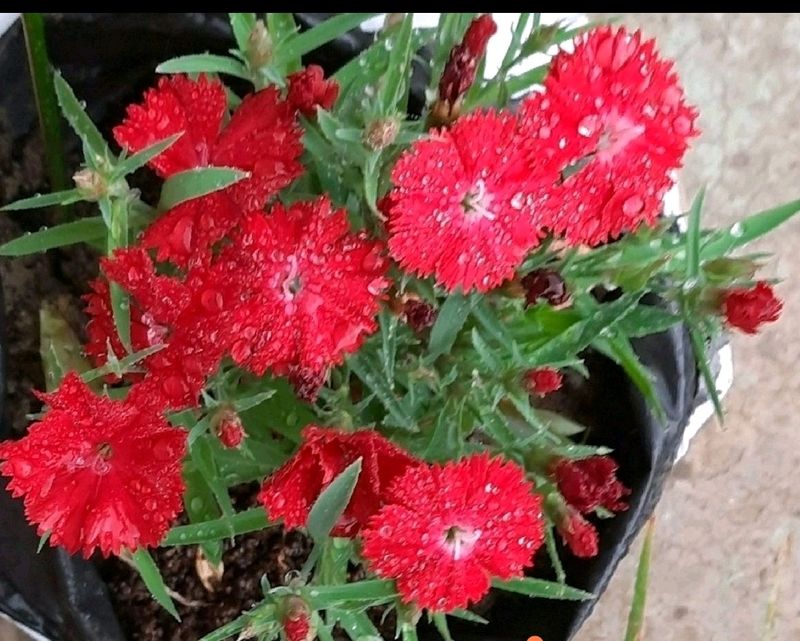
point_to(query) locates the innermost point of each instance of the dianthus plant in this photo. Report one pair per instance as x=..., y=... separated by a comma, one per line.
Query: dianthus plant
x=357, y=290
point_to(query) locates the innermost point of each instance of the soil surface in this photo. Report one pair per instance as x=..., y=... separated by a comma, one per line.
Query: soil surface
x=273, y=553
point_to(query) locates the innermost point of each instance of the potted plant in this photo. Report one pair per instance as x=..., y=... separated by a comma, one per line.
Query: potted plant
x=362, y=360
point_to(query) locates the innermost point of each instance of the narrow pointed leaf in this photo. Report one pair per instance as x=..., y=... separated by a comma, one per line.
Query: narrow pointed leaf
x=242, y=25
x=79, y=120
x=66, y=197
x=204, y=63
x=693, y=237
x=319, y=35
x=746, y=230
x=331, y=503
x=452, y=316
x=77, y=231
x=194, y=183
x=635, y=627
x=141, y=158
x=543, y=589
x=153, y=580
x=250, y=520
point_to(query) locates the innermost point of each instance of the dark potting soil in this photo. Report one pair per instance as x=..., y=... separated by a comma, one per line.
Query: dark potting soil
x=273, y=553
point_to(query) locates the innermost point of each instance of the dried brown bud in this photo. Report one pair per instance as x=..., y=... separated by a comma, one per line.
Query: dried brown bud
x=259, y=46
x=382, y=133
x=90, y=184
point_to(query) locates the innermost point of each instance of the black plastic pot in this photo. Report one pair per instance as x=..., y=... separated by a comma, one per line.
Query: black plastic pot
x=109, y=59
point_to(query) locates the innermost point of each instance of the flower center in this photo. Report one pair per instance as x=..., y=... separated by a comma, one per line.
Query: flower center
x=477, y=202
x=292, y=283
x=104, y=451
x=616, y=133
x=460, y=541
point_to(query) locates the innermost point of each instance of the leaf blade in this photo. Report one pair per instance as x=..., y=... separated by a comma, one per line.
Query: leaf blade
x=194, y=183
x=332, y=501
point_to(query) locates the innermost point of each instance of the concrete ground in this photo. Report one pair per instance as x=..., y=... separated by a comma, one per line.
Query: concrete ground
x=723, y=563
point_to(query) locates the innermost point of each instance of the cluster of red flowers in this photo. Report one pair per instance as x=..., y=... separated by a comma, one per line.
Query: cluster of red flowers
x=441, y=531
x=292, y=289
x=589, y=158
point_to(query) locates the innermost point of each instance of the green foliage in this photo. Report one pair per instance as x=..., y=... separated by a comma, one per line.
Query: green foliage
x=635, y=629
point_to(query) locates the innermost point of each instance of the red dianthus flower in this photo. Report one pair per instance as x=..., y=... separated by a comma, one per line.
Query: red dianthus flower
x=543, y=381
x=590, y=483
x=463, y=204
x=303, y=289
x=262, y=138
x=324, y=454
x=448, y=529
x=308, y=90
x=616, y=112
x=748, y=309
x=96, y=473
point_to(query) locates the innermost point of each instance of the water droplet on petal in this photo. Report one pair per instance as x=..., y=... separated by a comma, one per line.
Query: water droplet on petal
x=633, y=205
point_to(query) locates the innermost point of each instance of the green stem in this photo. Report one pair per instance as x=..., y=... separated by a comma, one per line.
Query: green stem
x=635, y=629
x=46, y=102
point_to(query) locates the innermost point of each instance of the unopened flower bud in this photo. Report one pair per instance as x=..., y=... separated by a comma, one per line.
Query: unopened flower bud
x=259, y=46
x=540, y=382
x=296, y=620
x=228, y=427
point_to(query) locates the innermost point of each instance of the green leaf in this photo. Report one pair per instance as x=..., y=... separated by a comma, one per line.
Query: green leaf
x=645, y=320
x=467, y=615
x=281, y=26
x=331, y=503
x=740, y=233
x=324, y=596
x=452, y=316
x=59, y=347
x=445, y=443
x=372, y=375
x=77, y=231
x=701, y=356
x=250, y=520
x=693, y=237
x=357, y=625
x=45, y=200
x=579, y=335
x=41, y=74
x=43, y=541
x=194, y=183
x=440, y=622
x=205, y=63
x=79, y=120
x=395, y=82
x=242, y=25
x=141, y=158
x=121, y=366
x=202, y=456
x=541, y=588
x=635, y=629
x=148, y=570
x=200, y=506
x=319, y=35
x=332, y=566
